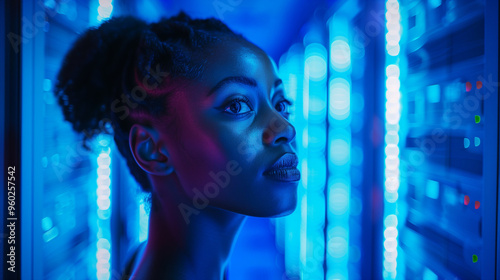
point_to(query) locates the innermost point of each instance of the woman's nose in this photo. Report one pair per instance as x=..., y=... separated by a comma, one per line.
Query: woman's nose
x=278, y=131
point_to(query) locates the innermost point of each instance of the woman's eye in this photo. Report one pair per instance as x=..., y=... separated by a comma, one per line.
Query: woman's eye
x=238, y=106
x=283, y=106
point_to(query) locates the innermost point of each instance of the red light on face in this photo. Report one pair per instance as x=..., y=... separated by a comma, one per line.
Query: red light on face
x=476, y=205
x=468, y=86
x=479, y=84
x=466, y=200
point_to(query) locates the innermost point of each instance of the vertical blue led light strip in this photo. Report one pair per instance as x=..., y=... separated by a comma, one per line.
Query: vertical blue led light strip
x=291, y=66
x=104, y=10
x=312, y=244
x=392, y=119
x=102, y=226
x=339, y=150
x=103, y=234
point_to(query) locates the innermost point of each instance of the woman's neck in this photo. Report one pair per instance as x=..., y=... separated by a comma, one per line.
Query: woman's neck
x=194, y=248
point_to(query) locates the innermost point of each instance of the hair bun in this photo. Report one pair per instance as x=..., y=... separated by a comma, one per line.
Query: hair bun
x=88, y=80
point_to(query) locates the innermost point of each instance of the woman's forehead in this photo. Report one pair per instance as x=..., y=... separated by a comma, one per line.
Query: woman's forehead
x=239, y=58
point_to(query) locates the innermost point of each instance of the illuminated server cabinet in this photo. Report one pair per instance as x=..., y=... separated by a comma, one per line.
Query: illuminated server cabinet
x=68, y=229
x=441, y=140
x=60, y=175
x=399, y=142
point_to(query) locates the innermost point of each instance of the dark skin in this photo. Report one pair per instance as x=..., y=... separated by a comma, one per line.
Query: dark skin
x=207, y=167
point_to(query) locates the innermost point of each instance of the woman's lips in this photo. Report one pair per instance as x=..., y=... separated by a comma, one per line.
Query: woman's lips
x=287, y=175
x=284, y=169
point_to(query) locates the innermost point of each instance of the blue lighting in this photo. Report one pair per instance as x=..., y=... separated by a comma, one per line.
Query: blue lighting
x=316, y=62
x=103, y=194
x=429, y=275
x=338, y=245
x=46, y=223
x=340, y=55
x=434, y=3
x=332, y=123
x=434, y=93
x=314, y=88
x=104, y=10
x=47, y=85
x=432, y=189
x=143, y=222
x=338, y=201
x=297, y=242
x=50, y=234
x=339, y=151
x=466, y=142
x=392, y=118
x=339, y=98
x=356, y=155
x=313, y=210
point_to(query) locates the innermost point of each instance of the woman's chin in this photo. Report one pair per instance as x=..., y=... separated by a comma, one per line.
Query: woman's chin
x=270, y=210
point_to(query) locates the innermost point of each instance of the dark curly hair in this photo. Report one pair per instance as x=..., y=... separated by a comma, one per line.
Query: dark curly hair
x=124, y=72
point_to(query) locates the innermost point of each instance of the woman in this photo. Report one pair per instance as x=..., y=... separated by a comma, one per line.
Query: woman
x=200, y=116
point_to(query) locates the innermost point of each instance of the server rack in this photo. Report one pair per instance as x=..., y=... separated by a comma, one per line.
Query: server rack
x=447, y=207
x=67, y=190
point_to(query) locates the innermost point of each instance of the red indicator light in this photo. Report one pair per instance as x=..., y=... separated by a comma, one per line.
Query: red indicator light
x=468, y=86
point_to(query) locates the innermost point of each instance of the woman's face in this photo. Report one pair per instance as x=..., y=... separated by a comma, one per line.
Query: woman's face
x=230, y=127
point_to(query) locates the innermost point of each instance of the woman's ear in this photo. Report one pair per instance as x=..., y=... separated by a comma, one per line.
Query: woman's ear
x=149, y=151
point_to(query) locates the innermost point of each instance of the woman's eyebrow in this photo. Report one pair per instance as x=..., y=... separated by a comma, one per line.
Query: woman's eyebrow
x=233, y=79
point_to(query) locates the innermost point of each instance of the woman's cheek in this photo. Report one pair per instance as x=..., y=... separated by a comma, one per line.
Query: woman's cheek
x=247, y=148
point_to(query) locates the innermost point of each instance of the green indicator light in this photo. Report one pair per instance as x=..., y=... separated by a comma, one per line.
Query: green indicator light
x=477, y=119
x=474, y=258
